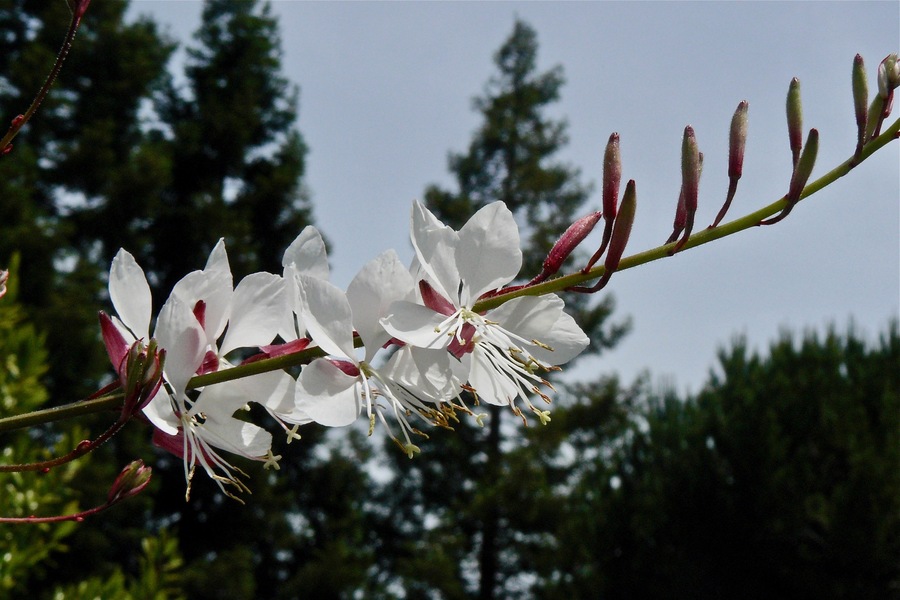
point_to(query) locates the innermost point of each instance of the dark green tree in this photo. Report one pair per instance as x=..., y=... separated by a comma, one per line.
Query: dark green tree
x=778, y=480
x=460, y=511
x=121, y=156
x=87, y=134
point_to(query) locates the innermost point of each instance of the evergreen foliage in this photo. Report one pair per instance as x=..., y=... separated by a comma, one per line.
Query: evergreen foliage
x=779, y=479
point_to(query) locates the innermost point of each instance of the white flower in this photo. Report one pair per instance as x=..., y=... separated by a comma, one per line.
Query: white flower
x=504, y=349
x=334, y=390
x=188, y=327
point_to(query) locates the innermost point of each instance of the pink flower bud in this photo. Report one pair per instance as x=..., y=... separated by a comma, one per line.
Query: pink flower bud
x=130, y=481
x=612, y=175
x=4, y=277
x=737, y=140
x=794, y=119
x=78, y=8
x=622, y=229
x=564, y=246
x=618, y=240
x=691, y=165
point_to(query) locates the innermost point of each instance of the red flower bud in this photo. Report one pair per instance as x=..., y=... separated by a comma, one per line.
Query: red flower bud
x=691, y=165
x=618, y=240
x=564, y=246
x=130, y=481
x=737, y=140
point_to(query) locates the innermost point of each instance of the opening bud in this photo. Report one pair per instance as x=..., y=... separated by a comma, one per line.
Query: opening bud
x=795, y=119
x=130, y=481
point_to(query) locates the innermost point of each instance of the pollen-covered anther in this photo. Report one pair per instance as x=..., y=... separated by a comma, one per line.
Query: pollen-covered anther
x=541, y=344
x=518, y=412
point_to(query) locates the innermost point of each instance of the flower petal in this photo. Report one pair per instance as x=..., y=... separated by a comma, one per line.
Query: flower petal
x=327, y=315
x=488, y=254
x=542, y=318
x=415, y=324
x=256, y=311
x=380, y=282
x=307, y=254
x=130, y=294
x=184, y=341
x=327, y=394
x=435, y=246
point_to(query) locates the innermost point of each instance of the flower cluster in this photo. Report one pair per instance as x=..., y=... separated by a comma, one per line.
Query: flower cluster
x=401, y=344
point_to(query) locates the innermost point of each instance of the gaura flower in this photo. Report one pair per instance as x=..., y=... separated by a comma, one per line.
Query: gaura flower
x=335, y=389
x=187, y=330
x=504, y=350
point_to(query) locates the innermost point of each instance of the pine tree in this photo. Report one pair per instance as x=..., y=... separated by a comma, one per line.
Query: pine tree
x=779, y=479
x=121, y=156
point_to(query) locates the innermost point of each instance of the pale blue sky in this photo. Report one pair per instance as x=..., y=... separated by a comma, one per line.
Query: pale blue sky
x=386, y=91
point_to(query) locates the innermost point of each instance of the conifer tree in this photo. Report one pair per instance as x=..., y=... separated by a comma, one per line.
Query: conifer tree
x=779, y=479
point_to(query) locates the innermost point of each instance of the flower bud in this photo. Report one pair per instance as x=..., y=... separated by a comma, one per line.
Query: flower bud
x=737, y=140
x=804, y=166
x=691, y=165
x=130, y=481
x=4, y=277
x=622, y=229
x=860, y=100
x=690, y=171
x=795, y=119
x=888, y=75
x=618, y=240
x=801, y=175
x=612, y=175
x=564, y=246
